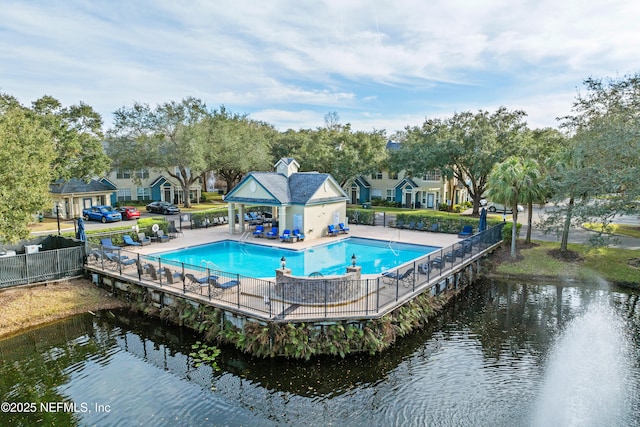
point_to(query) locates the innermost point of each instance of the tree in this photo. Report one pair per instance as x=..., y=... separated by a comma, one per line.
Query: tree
x=237, y=145
x=170, y=137
x=465, y=147
x=508, y=183
x=26, y=155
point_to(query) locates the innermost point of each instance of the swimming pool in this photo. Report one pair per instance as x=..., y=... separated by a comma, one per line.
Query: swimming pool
x=374, y=256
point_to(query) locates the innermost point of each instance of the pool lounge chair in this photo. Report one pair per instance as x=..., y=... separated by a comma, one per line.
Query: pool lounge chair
x=272, y=234
x=259, y=231
x=108, y=244
x=286, y=236
x=299, y=236
x=331, y=230
x=162, y=237
x=395, y=276
x=467, y=231
x=129, y=241
x=124, y=261
x=200, y=282
x=343, y=229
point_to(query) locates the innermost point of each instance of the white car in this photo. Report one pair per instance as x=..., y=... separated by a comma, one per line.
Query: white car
x=497, y=207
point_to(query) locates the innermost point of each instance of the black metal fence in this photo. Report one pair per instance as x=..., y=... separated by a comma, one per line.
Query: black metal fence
x=333, y=298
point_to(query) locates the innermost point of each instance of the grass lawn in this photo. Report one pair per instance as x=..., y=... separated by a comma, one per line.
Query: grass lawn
x=611, y=264
x=617, y=229
x=26, y=307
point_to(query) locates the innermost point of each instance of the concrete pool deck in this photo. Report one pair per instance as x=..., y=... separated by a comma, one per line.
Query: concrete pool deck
x=202, y=236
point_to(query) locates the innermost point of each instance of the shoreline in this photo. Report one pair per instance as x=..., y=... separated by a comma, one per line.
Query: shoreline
x=33, y=306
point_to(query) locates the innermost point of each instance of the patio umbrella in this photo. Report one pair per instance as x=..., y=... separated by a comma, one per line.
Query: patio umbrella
x=483, y=220
x=80, y=233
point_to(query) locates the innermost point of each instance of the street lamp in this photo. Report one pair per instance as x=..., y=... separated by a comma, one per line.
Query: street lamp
x=353, y=260
x=58, y=216
x=283, y=262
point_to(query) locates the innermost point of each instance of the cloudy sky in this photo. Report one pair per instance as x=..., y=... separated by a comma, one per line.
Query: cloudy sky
x=378, y=64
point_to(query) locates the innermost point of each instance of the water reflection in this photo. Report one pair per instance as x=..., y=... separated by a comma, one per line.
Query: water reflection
x=485, y=361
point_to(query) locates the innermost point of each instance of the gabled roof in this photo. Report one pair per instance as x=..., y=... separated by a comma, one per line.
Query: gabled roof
x=362, y=182
x=160, y=180
x=299, y=188
x=406, y=181
x=75, y=186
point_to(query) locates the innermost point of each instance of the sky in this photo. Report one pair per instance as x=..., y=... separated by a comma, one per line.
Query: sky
x=380, y=65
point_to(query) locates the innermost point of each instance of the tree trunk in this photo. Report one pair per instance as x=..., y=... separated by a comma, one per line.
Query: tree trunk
x=529, y=222
x=514, y=230
x=567, y=226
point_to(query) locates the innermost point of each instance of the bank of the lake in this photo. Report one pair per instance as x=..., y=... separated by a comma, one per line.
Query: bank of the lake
x=26, y=307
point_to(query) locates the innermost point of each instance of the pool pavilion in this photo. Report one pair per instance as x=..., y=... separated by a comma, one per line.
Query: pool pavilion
x=308, y=201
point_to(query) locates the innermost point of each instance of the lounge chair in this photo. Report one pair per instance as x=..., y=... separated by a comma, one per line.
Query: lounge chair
x=396, y=276
x=200, y=282
x=144, y=240
x=296, y=233
x=286, y=236
x=419, y=226
x=399, y=223
x=467, y=231
x=259, y=231
x=124, y=261
x=173, y=231
x=161, y=236
x=129, y=241
x=273, y=233
x=108, y=244
x=435, y=227
x=331, y=230
x=343, y=229
x=171, y=276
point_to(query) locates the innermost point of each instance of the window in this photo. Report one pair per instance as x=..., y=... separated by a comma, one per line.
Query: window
x=142, y=174
x=123, y=174
x=433, y=175
x=390, y=195
x=123, y=194
x=393, y=175
x=377, y=175
x=143, y=193
x=376, y=194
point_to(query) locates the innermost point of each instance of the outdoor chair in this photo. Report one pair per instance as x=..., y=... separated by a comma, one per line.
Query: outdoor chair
x=435, y=227
x=200, y=282
x=467, y=231
x=331, y=230
x=144, y=240
x=108, y=244
x=286, y=236
x=273, y=233
x=259, y=231
x=173, y=231
x=171, y=276
x=129, y=241
x=296, y=233
x=124, y=261
x=162, y=237
x=419, y=226
x=395, y=276
x=343, y=228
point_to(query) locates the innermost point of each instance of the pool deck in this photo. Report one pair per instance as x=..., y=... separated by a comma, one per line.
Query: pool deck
x=203, y=236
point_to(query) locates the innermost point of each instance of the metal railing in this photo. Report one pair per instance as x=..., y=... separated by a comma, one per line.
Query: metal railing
x=333, y=298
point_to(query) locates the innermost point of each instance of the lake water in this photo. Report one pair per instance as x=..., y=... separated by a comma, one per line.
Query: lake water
x=504, y=354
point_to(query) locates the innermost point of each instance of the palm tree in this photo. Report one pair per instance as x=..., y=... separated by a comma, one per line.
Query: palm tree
x=535, y=192
x=508, y=183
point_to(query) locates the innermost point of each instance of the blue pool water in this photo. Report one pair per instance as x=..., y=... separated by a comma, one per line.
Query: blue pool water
x=374, y=256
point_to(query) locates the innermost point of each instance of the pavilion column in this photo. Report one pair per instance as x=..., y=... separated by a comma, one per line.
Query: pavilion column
x=241, y=218
x=282, y=218
x=232, y=217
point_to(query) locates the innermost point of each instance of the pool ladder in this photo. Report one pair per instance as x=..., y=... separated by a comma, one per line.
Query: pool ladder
x=210, y=265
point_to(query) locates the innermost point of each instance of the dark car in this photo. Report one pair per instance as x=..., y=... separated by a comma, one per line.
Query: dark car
x=101, y=213
x=129, y=212
x=163, y=208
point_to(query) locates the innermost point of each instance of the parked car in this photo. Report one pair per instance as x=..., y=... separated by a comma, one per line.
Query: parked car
x=129, y=212
x=163, y=208
x=497, y=207
x=101, y=213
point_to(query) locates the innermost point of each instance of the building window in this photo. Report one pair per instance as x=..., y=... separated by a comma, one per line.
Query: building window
x=376, y=194
x=142, y=174
x=123, y=195
x=377, y=175
x=123, y=174
x=143, y=193
x=393, y=175
x=390, y=194
x=433, y=175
